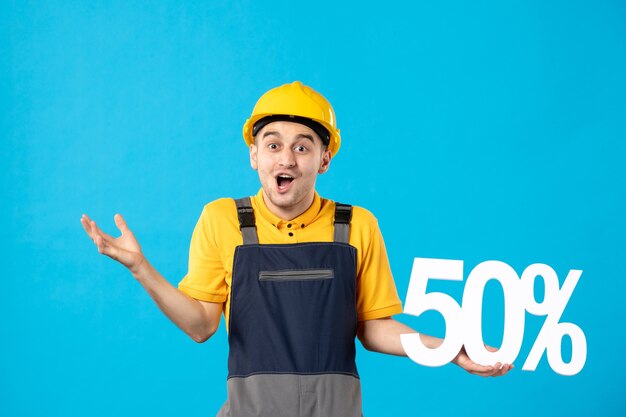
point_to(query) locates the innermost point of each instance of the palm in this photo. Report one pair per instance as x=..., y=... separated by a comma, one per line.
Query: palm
x=464, y=361
x=127, y=242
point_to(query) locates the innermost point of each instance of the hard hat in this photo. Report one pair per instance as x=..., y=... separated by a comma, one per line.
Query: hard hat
x=299, y=103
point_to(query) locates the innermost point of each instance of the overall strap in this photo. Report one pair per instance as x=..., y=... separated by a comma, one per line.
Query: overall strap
x=343, y=215
x=245, y=213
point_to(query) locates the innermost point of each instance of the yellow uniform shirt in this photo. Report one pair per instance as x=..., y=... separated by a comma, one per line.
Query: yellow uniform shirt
x=217, y=234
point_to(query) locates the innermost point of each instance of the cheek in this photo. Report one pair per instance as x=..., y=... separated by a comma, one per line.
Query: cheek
x=264, y=168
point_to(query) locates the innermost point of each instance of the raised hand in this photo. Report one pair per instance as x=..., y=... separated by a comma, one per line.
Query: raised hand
x=124, y=249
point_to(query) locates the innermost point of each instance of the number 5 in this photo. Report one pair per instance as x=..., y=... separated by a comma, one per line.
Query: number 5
x=418, y=301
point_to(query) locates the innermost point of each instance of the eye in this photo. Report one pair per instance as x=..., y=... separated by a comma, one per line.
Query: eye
x=300, y=148
x=272, y=146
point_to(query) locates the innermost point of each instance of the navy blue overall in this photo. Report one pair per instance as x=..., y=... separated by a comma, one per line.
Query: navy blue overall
x=292, y=327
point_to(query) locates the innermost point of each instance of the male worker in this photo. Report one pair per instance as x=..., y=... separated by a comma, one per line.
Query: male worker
x=296, y=276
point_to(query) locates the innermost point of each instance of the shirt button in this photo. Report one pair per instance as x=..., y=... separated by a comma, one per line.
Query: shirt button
x=290, y=234
x=289, y=225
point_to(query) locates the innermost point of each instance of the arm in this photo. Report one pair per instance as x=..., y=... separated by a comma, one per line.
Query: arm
x=196, y=318
x=383, y=335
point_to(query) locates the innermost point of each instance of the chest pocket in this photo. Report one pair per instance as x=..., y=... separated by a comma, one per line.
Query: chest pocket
x=286, y=275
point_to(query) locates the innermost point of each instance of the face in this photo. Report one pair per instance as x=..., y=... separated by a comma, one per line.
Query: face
x=288, y=157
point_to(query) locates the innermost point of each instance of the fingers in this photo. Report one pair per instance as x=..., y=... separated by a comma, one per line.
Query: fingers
x=120, y=223
x=89, y=226
x=482, y=370
x=102, y=240
x=106, y=249
x=99, y=241
x=93, y=230
x=503, y=370
x=84, y=221
x=496, y=370
x=499, y=369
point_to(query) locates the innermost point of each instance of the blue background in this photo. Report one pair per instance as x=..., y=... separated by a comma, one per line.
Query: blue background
x=473, y=130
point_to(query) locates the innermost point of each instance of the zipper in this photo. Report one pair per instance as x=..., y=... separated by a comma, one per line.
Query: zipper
x=297, y=275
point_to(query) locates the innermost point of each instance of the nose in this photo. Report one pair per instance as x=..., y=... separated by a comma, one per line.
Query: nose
x=287, y=158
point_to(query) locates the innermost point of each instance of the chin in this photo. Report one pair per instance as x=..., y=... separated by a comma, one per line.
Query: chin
x=284, y=201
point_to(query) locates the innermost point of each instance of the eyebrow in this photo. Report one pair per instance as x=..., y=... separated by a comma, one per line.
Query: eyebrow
x=299, y=135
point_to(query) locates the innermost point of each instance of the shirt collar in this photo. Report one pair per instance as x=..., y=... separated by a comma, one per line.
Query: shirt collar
x=302, y=220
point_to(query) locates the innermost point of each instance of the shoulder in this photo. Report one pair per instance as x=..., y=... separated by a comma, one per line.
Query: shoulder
x=220, y=207
x=362, y=217
x=364, y=226
x=218, y=214
x=219, y=224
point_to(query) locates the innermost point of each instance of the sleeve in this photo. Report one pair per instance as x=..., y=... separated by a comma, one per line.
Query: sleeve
x=205, y=279
x=377, y=296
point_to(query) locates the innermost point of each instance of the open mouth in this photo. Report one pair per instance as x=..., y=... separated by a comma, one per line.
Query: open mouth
x=283, y=181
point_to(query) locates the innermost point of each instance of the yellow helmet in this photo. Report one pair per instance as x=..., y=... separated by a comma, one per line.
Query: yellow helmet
x=299, y=103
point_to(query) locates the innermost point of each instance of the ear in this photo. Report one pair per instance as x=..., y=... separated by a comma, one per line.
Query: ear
x=325, y=163
x=253, y=156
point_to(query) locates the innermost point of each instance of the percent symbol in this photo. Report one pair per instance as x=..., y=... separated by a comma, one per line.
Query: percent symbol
x=551, y=334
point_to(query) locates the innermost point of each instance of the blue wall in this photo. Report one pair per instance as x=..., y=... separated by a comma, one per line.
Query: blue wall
x=473, y=130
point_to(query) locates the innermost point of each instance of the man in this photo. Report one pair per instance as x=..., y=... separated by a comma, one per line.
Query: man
x=296, y=276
